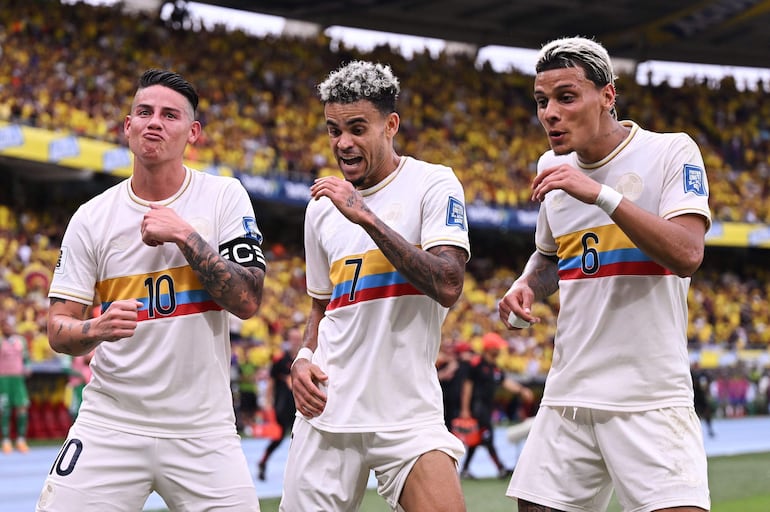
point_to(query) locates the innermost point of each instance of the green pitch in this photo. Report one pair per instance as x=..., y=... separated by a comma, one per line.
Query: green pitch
x=739, y=483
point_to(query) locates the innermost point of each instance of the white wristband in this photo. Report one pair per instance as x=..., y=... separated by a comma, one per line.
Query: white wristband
x=608, y=199
x=304, y=353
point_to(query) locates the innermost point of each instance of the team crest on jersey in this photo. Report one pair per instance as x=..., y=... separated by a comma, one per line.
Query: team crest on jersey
x=455, y=213
x=252, y=231
x=694, y=180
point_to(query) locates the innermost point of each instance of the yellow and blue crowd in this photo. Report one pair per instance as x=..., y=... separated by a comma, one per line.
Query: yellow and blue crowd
x=71, y=69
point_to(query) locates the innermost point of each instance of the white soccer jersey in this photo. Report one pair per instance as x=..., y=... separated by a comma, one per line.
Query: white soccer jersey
x=172, y=378
x=380, y=336
x=621, y=333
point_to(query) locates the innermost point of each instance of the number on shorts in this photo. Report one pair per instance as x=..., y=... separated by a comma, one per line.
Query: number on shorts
x=69, y=446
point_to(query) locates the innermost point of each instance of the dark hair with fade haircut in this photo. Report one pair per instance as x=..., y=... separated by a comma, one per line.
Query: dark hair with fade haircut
x=362, y=80
x=173, y=81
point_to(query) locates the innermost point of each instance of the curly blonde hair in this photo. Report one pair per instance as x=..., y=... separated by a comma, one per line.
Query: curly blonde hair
x=361, y=80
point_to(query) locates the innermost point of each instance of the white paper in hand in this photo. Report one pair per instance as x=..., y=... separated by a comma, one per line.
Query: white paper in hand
x=517, y=322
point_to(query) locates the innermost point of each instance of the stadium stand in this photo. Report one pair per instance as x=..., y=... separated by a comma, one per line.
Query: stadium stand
x=63, y=67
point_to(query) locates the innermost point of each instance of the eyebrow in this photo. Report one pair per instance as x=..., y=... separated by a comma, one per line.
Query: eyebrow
x=153, y=107
x=559, y=88
x=349, y=122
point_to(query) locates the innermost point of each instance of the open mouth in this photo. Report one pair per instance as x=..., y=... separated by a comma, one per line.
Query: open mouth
x=351, y=161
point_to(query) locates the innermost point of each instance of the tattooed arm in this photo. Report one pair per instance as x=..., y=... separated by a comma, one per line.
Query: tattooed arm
x=236, y=288
x=538, y=280
x=438, y=272
x=69, y=332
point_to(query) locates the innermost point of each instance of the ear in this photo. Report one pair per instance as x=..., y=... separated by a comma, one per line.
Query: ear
x=392, y=122
x=608, y=96
x=195, y=132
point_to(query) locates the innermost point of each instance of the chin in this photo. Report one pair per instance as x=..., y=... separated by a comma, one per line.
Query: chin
x=562, y=150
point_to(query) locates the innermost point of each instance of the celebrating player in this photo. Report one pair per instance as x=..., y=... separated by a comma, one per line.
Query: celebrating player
x=386, y=250
x=621, y=229
x=168, y=252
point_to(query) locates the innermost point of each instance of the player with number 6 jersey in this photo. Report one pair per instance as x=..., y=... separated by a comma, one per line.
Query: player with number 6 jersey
x=621, y=229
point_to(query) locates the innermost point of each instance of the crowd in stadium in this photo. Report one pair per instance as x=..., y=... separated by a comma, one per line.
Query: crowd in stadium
x=69, y=69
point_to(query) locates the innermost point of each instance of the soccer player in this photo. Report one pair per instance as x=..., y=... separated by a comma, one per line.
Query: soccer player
x=621, y=229
x=386, y=249
x=170, y=252
x=14, y=370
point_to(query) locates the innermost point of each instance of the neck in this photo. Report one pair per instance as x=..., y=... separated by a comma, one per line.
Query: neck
x=157, y=184
x=608, y=138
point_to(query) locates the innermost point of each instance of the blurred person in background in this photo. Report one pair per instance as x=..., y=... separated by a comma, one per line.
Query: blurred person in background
x=452, y=366
x=248, y=396
x=702, y=399
x=170, y=252
x=79, y=376
x=14, y=398
x=621, y=228
x=386, y=249
x=482, y=381
x=279, y=400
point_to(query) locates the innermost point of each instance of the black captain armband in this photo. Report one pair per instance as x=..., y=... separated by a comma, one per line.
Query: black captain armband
x=244, y=251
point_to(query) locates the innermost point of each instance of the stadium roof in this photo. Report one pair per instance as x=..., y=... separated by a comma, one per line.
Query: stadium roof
x=726, y=32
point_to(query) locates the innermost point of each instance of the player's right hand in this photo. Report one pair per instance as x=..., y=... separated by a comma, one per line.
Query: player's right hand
x=518, y=301
x=118, y=321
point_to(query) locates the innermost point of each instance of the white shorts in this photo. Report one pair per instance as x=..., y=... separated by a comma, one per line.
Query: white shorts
x=328, y=471
x=574, y=457
x=101, y=469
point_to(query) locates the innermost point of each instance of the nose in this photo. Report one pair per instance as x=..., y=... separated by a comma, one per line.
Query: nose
x=550, y=111
x=155, y=121
x=344, y=141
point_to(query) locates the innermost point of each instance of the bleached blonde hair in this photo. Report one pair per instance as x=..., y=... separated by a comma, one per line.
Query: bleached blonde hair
x=571, y=52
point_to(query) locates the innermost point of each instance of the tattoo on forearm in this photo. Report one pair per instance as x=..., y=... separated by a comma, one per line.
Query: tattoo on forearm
x=544, y=280
x=436, y=274
x=229, y=284
x=86, y=327
x=89, y=345
x=351, y=201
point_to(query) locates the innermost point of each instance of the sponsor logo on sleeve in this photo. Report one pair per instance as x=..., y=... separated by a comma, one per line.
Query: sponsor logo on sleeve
x=455, y=213
x=694, y=180
x=251, y=229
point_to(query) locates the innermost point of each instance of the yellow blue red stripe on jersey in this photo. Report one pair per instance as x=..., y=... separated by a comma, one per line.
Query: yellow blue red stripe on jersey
x=364, y=277
x=617, y=255
x=168, y=293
